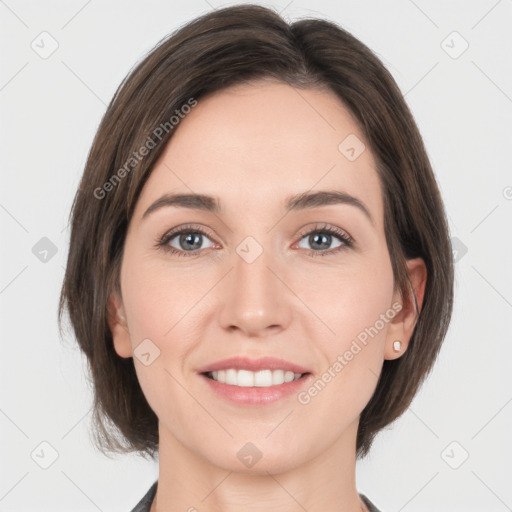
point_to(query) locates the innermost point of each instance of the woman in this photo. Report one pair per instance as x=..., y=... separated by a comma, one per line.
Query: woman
x=260, y=270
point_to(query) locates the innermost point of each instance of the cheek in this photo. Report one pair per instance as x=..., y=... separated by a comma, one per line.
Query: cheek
x=158, y=305
x=162, y=305
x=348, y=299
x=356, y=305
x=156, y=299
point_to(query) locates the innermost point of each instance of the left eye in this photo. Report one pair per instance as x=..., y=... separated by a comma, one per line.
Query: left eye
x=319, y=240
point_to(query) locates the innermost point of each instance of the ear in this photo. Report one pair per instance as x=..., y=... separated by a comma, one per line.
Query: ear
x=402, y=325
x=118, y=326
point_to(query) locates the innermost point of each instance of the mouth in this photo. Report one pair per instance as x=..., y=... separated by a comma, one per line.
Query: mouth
x=244, y=381
x=261, y=379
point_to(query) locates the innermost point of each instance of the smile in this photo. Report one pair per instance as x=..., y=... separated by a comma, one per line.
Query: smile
x=247, y=378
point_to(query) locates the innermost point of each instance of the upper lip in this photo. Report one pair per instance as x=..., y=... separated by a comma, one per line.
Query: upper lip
x=254, y=365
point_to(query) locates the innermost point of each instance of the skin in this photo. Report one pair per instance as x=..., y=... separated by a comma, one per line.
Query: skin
x=252, y=146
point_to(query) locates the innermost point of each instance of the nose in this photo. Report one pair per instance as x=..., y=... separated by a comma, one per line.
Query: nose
x=256, y=300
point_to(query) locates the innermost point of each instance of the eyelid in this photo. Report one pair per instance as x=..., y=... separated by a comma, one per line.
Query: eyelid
x=329, y=228
x=182, y=228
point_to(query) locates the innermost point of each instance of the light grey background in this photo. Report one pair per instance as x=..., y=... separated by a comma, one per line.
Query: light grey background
x=50, y=109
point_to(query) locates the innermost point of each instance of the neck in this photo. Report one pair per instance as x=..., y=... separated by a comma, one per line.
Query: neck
x=188, y=482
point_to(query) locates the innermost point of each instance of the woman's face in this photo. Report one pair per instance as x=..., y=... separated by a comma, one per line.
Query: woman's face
x=260, y=277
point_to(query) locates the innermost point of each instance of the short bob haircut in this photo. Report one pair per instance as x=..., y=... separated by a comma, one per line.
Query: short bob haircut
x=236, y=45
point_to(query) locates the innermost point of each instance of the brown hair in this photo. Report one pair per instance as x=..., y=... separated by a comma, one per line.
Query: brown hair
x=228, y=46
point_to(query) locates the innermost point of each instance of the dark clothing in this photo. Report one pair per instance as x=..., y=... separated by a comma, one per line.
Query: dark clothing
x=145, y=503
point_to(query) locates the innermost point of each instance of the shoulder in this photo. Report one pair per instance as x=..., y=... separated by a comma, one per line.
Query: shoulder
x=369, y=504
x=144, y=504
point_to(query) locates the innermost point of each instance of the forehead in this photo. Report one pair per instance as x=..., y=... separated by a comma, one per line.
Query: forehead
x=254, y=144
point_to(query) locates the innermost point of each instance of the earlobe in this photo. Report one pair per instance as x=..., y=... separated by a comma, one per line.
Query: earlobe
x=118, y=326
x=402, y=326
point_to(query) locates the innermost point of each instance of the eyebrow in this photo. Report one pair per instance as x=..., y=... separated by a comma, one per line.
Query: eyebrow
x=305, y=201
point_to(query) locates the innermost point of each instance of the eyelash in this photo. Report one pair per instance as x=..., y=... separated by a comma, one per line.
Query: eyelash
x=348, y=241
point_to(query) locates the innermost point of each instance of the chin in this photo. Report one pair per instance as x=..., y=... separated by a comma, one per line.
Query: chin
x=258, y=458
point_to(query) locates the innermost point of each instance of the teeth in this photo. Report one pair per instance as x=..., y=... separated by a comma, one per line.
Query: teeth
x=261, y=379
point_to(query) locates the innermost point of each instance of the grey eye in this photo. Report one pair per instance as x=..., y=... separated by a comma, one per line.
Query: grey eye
x=319, y=240
x=189, y=241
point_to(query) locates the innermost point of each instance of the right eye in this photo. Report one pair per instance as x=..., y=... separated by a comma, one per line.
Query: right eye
x=184, y=241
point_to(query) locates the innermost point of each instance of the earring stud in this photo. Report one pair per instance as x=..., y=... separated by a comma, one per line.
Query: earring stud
x=397, y=345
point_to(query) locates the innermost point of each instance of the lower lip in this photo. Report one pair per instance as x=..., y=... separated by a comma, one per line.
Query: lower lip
x=256, y=395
